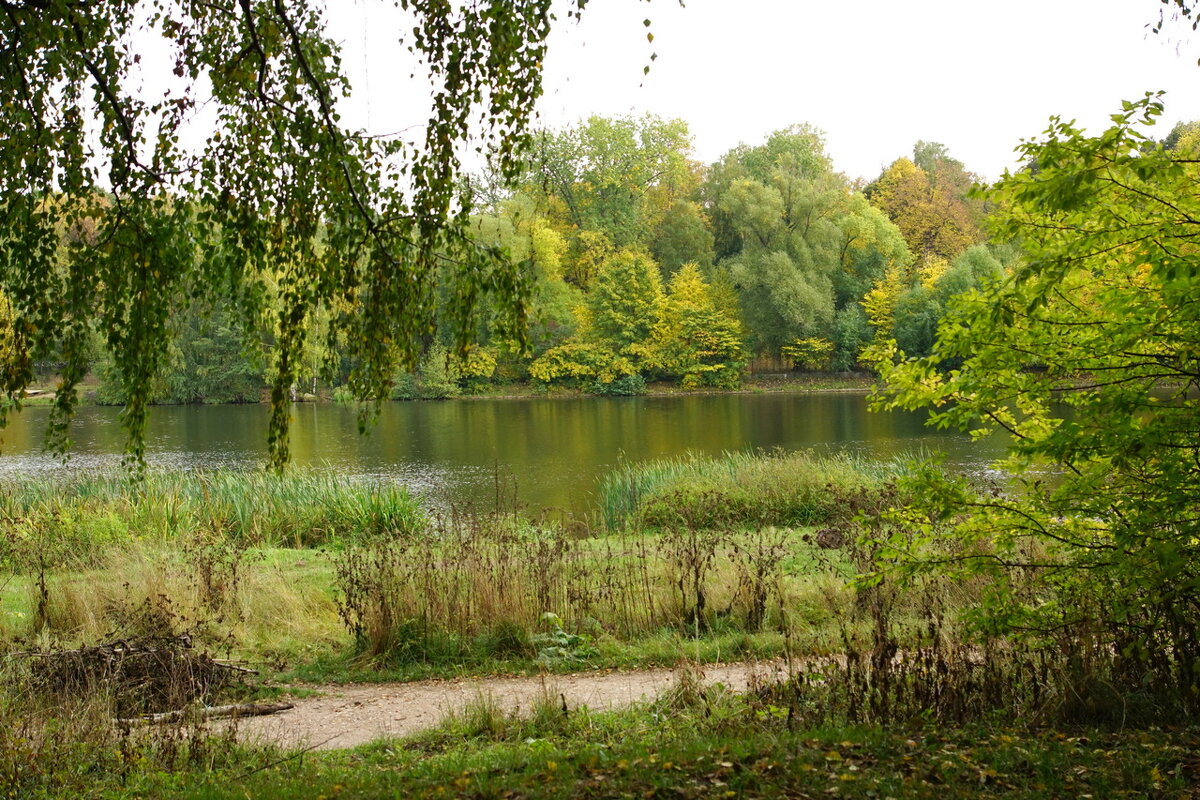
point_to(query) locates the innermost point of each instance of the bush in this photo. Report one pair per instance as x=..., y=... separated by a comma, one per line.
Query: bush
x=1087, y=356
x=809, y=354
x=625, y=386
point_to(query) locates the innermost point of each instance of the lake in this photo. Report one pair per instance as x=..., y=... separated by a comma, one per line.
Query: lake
x=550, y=451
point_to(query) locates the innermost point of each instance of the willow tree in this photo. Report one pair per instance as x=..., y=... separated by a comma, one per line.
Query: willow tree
x=801, y=245
x=112, y=221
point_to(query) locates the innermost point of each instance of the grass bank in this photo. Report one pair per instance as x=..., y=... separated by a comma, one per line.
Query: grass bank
x=394, y=590
x=488, y=598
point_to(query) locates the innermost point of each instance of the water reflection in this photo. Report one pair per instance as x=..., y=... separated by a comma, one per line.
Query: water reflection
x=553, y=449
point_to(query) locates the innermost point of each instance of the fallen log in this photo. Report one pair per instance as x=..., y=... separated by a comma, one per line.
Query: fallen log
x=209, y=712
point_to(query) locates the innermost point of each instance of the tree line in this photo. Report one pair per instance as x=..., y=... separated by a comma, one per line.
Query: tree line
x=641, y=264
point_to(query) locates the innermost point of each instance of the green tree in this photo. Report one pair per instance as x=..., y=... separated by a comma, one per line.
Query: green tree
x=280, y=188
x=694, y=340
x=803, y=244
x=803, y=146
x=908, y=308
x=682, y=237
x=438, y=374
x=215, y=363
x=869, y=243
x=1088, y=356
x=851, y=334
x=615, y=325
x=917, y=313
x=976, y=267
x=626, y=301
x=1184, y=137
x=542, y=250
x=616, y=176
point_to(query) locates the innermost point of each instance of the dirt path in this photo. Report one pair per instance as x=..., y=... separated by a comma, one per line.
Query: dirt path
x=353, y=714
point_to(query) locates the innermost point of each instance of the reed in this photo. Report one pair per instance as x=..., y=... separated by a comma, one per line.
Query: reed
x=519, y=588
x=742, y=489
x=73, y=520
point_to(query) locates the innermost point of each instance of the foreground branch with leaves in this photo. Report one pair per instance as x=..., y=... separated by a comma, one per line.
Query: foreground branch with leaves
x=1089, y=358
x=112, y=222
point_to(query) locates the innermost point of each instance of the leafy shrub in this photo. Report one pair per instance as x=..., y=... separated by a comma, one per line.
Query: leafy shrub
x=1086, y=355
x=405, y=387
x=475, y=368
x=437, y=376
x=557, y=646
x=810, y=354
x=625, y=386
x=577, y=362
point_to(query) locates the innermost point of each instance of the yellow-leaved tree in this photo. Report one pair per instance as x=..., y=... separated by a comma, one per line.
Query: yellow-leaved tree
x=694, y=339
x=934, y=218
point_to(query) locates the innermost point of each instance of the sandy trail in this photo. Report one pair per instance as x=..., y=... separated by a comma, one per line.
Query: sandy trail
x=352, y=714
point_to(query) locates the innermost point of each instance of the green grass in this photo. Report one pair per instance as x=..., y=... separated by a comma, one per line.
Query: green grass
x=401, y=594
x=456, y=596
x=687, y=744
x=639, y=756
x=478, y=658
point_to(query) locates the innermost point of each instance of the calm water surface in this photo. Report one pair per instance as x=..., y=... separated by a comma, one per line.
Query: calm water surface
x=550, y=450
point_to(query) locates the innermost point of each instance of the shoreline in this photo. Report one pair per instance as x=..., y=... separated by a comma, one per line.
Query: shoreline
x=832, y=383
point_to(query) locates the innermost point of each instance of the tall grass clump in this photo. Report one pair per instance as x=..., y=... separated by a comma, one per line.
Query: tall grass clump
x=919, y=642
x=489, y=581
x=502, y=586
x=744, y=490
x=72, y=520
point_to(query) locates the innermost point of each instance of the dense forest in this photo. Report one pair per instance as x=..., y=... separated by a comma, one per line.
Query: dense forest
x=641, y=264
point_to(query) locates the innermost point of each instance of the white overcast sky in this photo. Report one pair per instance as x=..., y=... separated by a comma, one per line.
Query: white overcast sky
x=875, y=75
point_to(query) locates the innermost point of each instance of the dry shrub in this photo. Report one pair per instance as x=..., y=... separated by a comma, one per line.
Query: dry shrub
x=689, y=554
x=758, y=557
x=57, y=744
x=907, y=653
x=490, y=576
x=215, y=561
x=151, y=665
